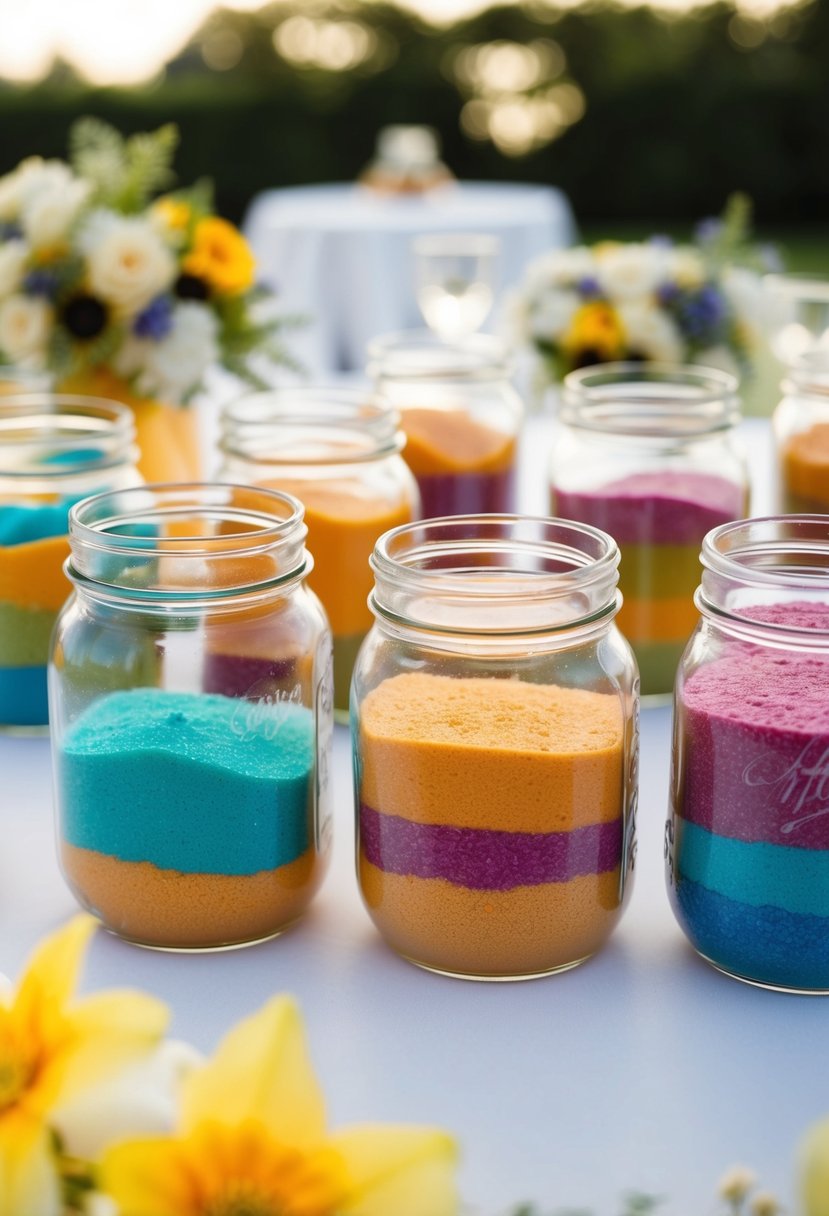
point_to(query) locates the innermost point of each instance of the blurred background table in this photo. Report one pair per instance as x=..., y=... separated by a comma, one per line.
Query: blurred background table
x=340, y=255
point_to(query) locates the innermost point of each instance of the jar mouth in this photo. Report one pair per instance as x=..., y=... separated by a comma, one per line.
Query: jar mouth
x=775, y=559
x=310, y=424
x=809, y=372
x=58, y=435
x=196, y=539
x=495, y=574
x=420, y=355
x=654, y=399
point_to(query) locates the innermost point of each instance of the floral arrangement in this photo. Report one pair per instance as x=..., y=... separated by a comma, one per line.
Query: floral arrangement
x=93, y=274
x=100, y=1115
x=650, y=301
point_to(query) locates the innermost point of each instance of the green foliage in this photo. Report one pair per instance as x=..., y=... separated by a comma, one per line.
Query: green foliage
x=126, y=173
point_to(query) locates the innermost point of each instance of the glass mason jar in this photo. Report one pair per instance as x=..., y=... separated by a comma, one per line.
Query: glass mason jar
x=494, y=723
x=648, y=454
x=747, y=841
x=801, y=431
x=338, y=451
x=461, y=416
x=190, y=694
x=54, y=451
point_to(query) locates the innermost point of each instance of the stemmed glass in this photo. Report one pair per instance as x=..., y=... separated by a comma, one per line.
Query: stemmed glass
x=798, y=314
x=455, y=281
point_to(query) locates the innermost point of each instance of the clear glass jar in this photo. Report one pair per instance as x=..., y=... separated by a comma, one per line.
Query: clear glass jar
x=494, y=722
x=801, y=432
x=190, y=694
x=461, y=416
x=338, y=452
x=648, y=453
x=747, y=841
x=54, y=451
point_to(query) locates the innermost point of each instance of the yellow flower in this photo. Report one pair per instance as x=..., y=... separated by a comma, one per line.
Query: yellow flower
x=252, y=1139
x=596, y=331
x=53, y=1050
x=172, y=213
x=221, y=256
x=814, y=1170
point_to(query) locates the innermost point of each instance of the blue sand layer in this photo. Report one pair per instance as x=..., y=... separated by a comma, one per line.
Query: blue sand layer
x=195, y=783
x=23, y=699
x=766, y=944
x=754, y=872
x=22, y=523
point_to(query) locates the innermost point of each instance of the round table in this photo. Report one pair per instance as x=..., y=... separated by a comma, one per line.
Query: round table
x=340, y=255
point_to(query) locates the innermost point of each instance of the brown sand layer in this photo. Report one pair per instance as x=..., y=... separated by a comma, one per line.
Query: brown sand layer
x=496, y=754
x=525, y=931
x=806, y=465
x=452, y=441
x=159, y=907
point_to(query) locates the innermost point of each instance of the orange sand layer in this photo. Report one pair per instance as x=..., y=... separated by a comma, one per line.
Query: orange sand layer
x=806, y=464
x=526, y=931
x=159, y=907
x=658, y=620
x=344, y=524
x=451, y=441
x=31, y=574
x=498, y=754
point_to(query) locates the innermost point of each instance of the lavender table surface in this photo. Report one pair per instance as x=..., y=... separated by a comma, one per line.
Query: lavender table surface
x=642, y=1069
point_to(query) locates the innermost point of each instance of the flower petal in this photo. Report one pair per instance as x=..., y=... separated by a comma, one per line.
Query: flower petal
x=28, y=1179
x=108, y=1032
x=148, y=1178
x=52, y=973
x=261, y=1070
x=405, y=1170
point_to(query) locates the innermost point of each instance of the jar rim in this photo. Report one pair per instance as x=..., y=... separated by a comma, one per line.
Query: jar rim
x=66, y=423
x=746, y=553
x=420, y=354
x=267, y=522
x=402, y=556
x=671, y=400
x=808, y=372
x=363, y=414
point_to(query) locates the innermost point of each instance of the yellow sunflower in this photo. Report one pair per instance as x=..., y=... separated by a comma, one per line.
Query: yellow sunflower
x=221, y=257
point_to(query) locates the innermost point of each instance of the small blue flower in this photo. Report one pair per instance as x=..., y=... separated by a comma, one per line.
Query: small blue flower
x=10, y=231
x=708, y=230
x=589, y=287
x=661, y=240
x=156, y=320
x=667, y=293
x=41, y=283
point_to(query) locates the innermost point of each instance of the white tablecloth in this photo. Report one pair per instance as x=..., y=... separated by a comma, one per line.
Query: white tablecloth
x=642, y=1069
x=341, y=255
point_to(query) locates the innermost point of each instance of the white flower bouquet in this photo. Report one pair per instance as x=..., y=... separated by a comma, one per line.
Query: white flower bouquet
x=650, y=301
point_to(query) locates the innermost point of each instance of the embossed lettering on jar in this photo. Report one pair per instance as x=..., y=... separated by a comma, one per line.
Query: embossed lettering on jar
x=190, y=695
x=748, y=834
x=494, y=727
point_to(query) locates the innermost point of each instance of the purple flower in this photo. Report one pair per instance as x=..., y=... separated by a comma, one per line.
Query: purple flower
x=661, y=240
x=41, y=283
x=708, y=230
x=156, y=320
x=667, y=293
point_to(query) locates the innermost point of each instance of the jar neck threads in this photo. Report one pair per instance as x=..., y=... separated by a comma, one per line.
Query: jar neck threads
x=51, y=437
x=423, y=357
x=651, y=400
x=495, y=575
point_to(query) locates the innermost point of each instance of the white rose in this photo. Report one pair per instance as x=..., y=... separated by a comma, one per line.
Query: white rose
x=176, y=365
x=753, y=305
x=651, y=333
x=12, y=261
x=629, y=272
x=686, y=267
x=25, y=325
x=553, y=314
x=128, y=262
x=13, y=187
x=560, y=267
x=49, y=213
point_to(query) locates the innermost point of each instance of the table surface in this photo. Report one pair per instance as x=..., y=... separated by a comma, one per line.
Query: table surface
x=642, y=1069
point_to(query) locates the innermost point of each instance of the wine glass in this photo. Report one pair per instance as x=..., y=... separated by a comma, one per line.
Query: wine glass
x=798, y=314
x=455, y=276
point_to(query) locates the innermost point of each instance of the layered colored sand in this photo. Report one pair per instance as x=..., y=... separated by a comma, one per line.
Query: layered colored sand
x=751, y=828
x=658, y=520
x=33, y=548
x=345, y=519
x=805, y=470
x=186, y=823
x=491, y=822
x=462, y=466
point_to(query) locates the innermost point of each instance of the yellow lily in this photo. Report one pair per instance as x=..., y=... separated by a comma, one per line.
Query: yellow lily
x=252, y=1141
x=53, y=1051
